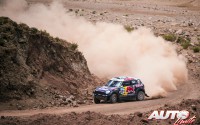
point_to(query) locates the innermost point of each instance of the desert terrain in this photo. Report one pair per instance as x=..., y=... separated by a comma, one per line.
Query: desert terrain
x=169, y=18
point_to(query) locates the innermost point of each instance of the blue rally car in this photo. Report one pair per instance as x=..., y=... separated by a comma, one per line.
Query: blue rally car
x=120, y=88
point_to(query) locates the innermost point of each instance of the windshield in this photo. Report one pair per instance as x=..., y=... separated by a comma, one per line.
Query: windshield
x=112, y=83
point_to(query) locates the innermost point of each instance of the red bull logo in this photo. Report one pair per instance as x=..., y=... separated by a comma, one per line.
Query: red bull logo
x=126, y=90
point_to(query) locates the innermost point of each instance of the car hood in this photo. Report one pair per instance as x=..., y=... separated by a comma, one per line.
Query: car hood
x=105, y=88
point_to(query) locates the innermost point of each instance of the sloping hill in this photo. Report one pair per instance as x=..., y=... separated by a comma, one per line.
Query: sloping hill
x=37, y=70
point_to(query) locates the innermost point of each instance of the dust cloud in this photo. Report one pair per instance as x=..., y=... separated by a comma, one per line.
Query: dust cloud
x=109, y=49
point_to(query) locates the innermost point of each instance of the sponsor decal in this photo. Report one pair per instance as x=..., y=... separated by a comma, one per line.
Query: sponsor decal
x=139, y=85
x=129, y=89
x=104, y=88
x=121, y=90
x=127, y=79
x=126, y=90
x=181, y=116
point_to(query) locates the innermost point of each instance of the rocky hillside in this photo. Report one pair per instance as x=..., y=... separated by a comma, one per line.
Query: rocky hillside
x=37, y=70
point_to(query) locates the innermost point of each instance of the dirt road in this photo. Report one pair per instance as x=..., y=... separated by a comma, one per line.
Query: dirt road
x=118, y=108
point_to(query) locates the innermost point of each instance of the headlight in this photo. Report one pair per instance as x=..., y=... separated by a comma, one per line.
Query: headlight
x=107, y=92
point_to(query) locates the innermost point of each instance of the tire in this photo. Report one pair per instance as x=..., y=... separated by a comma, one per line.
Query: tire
x=113, y=98
x=96, y=101
x=140, y=96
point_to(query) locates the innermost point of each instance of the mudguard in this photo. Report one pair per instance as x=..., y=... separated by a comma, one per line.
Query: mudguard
x=146, y=95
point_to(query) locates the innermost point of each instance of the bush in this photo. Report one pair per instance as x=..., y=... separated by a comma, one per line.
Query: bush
x=196, y=49
x=24, y=26
x=128, y=28
x=169, y=37
x=58, y=40
x=74, y=46
x=185, y=42
x=4, y=20
x=185, y=45
x=182, y=40
x=45, y=33
x=33, y=30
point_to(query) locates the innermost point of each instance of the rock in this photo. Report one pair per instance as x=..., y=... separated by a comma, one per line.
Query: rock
x=194, y=107
x=131, y=114
x=187, y=34
x=65, y=103
x=22, y=41
x=85, y=92
x=150, y=18
x=131, y=117
x=190, y=24
x=19, y=107
x=3, y=117
x=74, y=104
x=68, y=100
x=71, y=97
x=165, y=105
x=170, y=30
x=195, y=29
x=80, y=102
x=183, y=25
x=144, y=121
x=109, y=117
x=35, y=106
x=179, y=32
x=86, y=102
x=52, y=103
x=64, y=98
x=90, y=98
x=72, y=87
x=57, y=96
x=139, y=114
x=70, y=104
x=60, y=69
x=174, y=24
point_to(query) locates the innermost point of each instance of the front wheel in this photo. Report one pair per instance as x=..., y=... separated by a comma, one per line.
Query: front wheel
x=96, y=101
x=140, y=96
x=113, y=98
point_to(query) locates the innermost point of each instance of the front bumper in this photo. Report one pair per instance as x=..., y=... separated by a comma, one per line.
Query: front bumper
x=104, y=97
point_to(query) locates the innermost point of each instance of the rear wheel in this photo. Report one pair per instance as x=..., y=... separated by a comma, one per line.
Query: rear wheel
x=140, y=96
x=113, y=98
x=96, y=101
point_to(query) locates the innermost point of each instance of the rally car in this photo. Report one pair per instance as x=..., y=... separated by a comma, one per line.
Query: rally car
x=120, y=88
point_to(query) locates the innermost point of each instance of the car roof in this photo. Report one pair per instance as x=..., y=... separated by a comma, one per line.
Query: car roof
x=123, y=78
